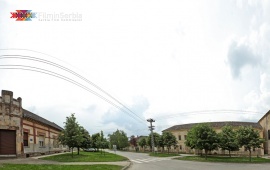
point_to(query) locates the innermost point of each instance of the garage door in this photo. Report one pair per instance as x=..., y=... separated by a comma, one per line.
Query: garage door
x=7, y=142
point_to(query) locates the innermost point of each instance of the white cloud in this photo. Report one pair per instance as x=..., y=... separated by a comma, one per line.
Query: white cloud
x=169, y=52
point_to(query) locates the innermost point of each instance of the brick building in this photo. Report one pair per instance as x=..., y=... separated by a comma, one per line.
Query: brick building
x=23, y=133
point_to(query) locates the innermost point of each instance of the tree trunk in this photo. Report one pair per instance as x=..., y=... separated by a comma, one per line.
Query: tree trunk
x=78, y=152
x=72, y=152
x=206, y=151
x=249, y=155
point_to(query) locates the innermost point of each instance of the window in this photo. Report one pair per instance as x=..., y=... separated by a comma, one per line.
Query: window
x=268, y=134
x=179, y=137
x=55, y=143
x=25, y=139
x=185, y=137
x=41, y=141
x=180, y=147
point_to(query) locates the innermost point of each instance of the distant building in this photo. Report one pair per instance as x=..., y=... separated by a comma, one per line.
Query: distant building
x=180, y=132
x=23, y=133
x=265, y=123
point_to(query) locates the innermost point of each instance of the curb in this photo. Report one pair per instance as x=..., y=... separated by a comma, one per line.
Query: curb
x=127, y=166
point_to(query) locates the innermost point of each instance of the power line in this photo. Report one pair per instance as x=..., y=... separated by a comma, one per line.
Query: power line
x=205, y=112
x=51, y=73
x=23, y=57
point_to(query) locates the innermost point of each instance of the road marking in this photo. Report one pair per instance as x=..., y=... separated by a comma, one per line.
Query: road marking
x=136, y=161
x=139, y=161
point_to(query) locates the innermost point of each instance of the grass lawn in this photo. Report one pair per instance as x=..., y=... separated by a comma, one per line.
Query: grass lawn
x=163, y=154
x=225, y=159
x=58, y=167
x=86, y=157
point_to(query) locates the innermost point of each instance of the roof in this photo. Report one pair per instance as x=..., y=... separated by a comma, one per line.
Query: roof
x=30, y=115
x=215, y=125
x=264, y=116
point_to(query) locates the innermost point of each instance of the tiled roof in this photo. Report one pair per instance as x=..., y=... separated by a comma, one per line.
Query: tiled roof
x=215, y=125
x=30, y=115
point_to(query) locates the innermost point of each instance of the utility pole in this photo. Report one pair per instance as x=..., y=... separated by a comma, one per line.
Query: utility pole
x=151, y=128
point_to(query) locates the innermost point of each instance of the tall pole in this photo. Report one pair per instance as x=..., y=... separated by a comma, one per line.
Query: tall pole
x=151, y=128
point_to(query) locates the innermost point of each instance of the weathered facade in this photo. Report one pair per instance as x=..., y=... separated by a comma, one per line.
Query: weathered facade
x=265, y=123
x=40, y=136
x=11, y=114
x=23, y=133
x=180, y=132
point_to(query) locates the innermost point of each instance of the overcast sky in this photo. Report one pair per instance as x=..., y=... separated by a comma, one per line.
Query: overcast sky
x=173, y=61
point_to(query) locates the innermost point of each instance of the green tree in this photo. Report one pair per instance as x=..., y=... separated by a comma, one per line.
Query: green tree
x=102, y=142
x=84, y=140
x=249, y=138
x=95, y=142
x=168, y=140
x=227, y=139
x=161, y=142
x=202, y=136
x=142, y=143
x=156, y=139
x=71, y=135
x=133, y=141
x=118, y=138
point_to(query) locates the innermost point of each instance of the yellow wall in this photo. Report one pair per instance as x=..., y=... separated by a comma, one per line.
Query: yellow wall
x=265, y=123
x=186, y=149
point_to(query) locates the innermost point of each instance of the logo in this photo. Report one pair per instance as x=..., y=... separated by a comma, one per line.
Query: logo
x=23, y=15
x=27, y=15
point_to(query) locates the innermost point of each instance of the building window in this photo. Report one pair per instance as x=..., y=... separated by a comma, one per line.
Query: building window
x=25, y=139
x=185, y=137
x=55, y=143
x=41, y=141
x=268, y=134
x=180, y=147
x=179, y=137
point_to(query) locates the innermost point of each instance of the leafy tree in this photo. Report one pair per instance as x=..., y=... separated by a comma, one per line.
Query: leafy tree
x=85, y=141
x=161, y=142
x=168, y=140
x=118, y=138
x=249, y=138
x=133, y=141
x=202, y=136
x=71, y=135
x=142, y=143
x=156, y=139
x=227, y=139
x=102, y=142
x=96, y=141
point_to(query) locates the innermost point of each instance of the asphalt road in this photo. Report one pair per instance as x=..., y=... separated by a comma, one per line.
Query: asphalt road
x=141, y=161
